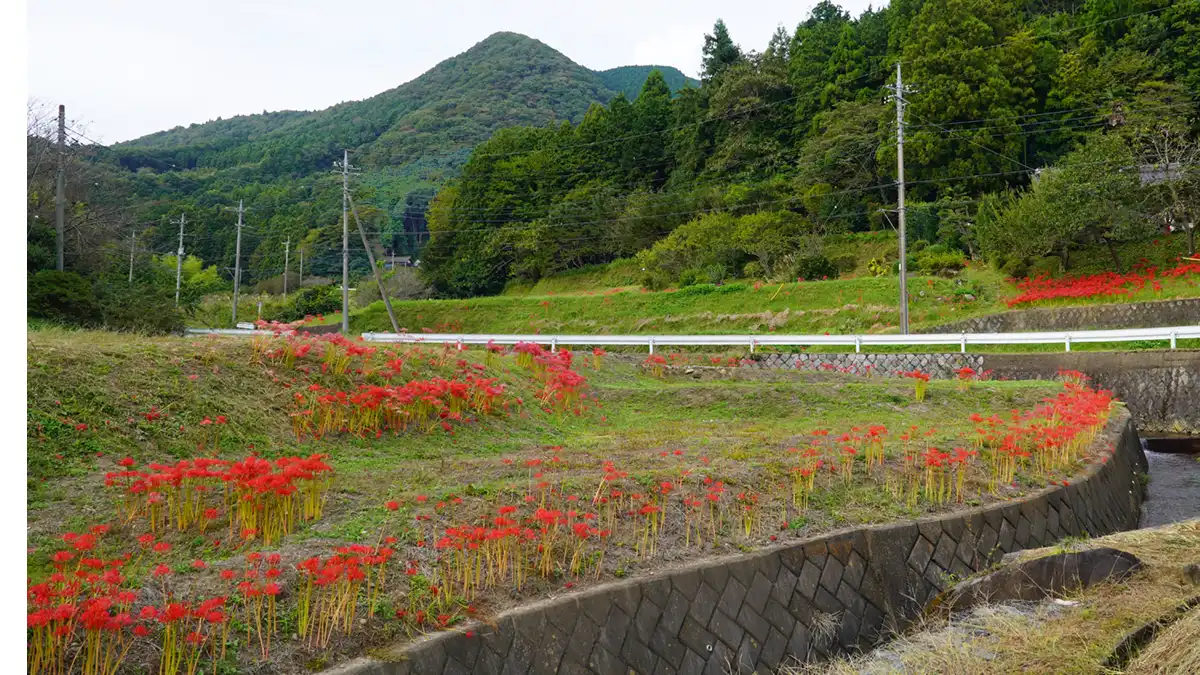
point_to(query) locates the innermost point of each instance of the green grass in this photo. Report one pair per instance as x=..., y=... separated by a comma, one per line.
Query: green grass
x=105, y=380
x=836, y=306
x=736, y=430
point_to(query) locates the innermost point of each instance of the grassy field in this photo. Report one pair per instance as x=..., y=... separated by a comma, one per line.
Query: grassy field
x=1077, y=636
x=835, y=306
x=96, y=399
x=609, y=299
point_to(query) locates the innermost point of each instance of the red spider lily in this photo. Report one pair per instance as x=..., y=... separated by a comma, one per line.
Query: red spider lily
x=1107, y=286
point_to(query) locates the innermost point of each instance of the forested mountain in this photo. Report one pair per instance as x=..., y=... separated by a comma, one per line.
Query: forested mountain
x=1028, y=124
x=628, y=80
x=405, y=141
x=745, y=175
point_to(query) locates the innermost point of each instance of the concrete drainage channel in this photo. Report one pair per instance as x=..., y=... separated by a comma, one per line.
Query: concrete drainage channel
x=1174, y=489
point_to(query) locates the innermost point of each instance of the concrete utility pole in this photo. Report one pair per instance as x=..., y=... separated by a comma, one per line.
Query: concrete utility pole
x=132, y=245
x=300, y=284
x=345, y=241
x=286, y=245
x=237, y=262
x=60, y=197
x=179, y=258
x=899, y=92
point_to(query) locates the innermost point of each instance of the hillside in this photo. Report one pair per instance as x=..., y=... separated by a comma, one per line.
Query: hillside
x=407, y=141
x=507, y=79
x=629, y=79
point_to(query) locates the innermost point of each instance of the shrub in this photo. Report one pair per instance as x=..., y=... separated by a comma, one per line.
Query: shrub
x=141, y=308
x=1014, y=266
x=753, y=270
x=714, y=273
x=845, y=262
x=691, y=277
x=402, y=283
x=814, y=267
x=936, y=262
x=1049, y=266
x=315, y=300
x=64, y=297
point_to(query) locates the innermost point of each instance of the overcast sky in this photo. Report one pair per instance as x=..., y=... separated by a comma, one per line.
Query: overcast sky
x=133, y=67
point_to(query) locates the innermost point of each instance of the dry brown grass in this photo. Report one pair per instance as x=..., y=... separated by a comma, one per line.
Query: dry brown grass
x=1052, y=637
x=1176, y=650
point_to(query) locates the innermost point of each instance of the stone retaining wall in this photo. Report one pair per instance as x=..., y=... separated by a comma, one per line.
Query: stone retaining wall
x=1161, y=388
x=806, y=601
x=1180, y=312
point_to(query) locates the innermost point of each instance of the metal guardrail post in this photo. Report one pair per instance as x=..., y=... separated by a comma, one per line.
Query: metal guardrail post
x=651, y=345
x=1172, y=339
x=857, y=344
x=553, y=345
x=751, y=345
x=963, y=345
x=1067, y=341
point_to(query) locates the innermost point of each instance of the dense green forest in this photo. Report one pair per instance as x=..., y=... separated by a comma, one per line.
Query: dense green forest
x=1028, y=126
x=405, y=143
x=1033, y=128
x=628, y=80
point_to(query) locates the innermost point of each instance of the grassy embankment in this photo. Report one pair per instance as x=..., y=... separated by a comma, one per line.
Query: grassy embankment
x=89, y=394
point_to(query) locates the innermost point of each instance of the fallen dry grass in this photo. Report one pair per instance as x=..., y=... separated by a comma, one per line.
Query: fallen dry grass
x=1175, y=650
x=1072, y=634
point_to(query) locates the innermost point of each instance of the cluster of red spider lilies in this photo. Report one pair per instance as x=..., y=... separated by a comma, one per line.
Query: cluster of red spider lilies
x=82, y=618
x=259, y=498
x=425, y=404
x=554, y=527
x=1044, y=290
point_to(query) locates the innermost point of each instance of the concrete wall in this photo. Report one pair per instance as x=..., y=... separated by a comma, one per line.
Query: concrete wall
x=1161, y=388
x=805, y=600
x=1182, y=312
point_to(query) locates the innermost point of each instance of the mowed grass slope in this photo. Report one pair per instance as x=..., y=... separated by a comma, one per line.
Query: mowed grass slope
x=89, y=393
x=95, y=398
x=863, y=305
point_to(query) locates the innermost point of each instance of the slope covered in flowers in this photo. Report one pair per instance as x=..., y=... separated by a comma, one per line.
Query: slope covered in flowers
x=202, y=505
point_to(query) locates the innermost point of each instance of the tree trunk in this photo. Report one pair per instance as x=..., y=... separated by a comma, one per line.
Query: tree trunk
x=1191, y=239
x=1066, y=252
x=1112, y=250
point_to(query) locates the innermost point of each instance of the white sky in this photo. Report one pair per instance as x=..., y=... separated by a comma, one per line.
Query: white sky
x=131, y=67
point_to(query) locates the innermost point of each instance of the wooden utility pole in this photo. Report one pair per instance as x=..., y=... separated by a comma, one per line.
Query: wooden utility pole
x=378, y=278
x=60, y=197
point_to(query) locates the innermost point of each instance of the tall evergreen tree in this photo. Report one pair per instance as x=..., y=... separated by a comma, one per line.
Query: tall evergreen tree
x=719, y=51
x=651, y=117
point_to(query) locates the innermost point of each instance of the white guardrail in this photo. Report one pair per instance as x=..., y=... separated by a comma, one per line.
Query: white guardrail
x=962, y=340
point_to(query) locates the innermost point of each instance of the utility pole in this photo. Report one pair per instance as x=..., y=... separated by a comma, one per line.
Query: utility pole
x=132, y=244
x=237, y=262
x=60, y=198
x=300, y=284
x=179, y=258
x=345, y=241
x=899, y=92
x=286, y=245
x=378, y=278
